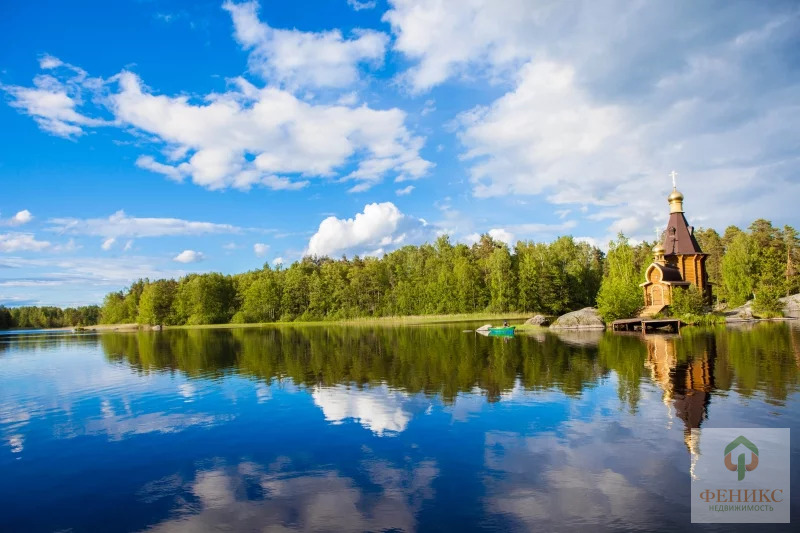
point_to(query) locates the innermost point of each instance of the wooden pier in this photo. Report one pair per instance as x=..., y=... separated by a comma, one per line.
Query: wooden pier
x=646, y=325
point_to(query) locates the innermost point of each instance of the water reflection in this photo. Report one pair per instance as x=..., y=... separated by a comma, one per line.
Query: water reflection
x=251, y=497
x=362, y=428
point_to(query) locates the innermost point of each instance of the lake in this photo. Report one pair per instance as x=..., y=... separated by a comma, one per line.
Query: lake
x=376, y=428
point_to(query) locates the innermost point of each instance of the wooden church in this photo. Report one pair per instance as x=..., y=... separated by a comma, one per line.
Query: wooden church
x=678, y=261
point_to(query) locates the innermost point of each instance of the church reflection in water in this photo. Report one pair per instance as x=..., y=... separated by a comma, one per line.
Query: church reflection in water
x=687, y=382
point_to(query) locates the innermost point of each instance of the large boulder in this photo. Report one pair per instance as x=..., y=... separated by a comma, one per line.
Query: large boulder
x=791, y=306
x=586, y=318
x=538, y=320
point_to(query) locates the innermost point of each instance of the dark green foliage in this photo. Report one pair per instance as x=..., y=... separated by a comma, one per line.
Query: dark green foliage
x=688, y=301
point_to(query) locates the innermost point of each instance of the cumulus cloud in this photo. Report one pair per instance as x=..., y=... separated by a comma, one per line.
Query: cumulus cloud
x=21, y=218
x=243, y=137
x=188, y=256
x=444, y=37
x=122, y=225
x=378, y=229
x=21, y=242
x=250, y=136
x=304, y=59
x=606, y=100
x=499, y=234
x=260, y=249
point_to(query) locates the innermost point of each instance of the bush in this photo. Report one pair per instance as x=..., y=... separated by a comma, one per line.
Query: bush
x=687, y=301
x=767, y=302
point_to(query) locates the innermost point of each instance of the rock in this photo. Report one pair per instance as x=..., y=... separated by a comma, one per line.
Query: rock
x=538, y=320
x=791, y=306
x=484, y=328
x=586, y=318
x=738, y=314
x=156, y=328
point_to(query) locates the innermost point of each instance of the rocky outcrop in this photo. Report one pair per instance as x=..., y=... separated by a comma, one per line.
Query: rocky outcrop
x=586, y=318
x=743, y=312
x=484, y=328
x=791, y=309
x=538, y=320
x=791, y=306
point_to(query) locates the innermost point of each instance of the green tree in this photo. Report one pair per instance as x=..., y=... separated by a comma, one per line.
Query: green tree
x=738, y=269
x=205, y=299
x=619, y=295
x=114, y=310
x=156, y=303
x=711, y=243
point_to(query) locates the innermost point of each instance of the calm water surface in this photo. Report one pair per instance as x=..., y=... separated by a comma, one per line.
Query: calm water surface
x=379, y=428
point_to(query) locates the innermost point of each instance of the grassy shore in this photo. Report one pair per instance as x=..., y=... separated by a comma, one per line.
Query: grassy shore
x=416, y=320
x=366, y=321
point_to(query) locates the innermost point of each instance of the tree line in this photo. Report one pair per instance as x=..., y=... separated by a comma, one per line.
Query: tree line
x=48, y=317
x=444, y=278
x=438, y=278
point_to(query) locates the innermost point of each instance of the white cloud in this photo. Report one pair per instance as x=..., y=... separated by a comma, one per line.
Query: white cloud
x=21, y=242
x=378, y=409
x=378, y=229
x=250, y=136
x=188, y=256
x=277, y=261
x=21, y=218
x=499, y=234
x=447, y=36
x=108, y=243
x=52, y=101
x=128, y=245
x=304, y=59
x=532, y=139
x=174, y=173
x=260, y=249
x=358, y=5
x=122, y=225
x=404, y=191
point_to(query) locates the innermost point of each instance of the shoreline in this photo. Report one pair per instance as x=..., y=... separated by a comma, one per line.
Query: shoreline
x=412, y=320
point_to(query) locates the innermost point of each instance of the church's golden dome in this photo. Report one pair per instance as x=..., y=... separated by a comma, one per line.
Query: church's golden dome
x=658, y=248
x=676, y=195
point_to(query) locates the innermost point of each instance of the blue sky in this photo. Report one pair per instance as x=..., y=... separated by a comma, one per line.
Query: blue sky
x=156, y=138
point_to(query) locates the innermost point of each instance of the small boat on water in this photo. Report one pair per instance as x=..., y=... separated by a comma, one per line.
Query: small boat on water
x=505, y=331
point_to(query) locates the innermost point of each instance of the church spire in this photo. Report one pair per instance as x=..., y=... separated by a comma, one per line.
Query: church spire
x=676, y=197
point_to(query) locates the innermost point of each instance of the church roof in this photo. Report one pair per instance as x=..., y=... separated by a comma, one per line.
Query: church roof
x=669, y=273
x=679, y=238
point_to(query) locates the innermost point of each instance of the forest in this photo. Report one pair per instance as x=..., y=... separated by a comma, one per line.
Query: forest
x=444, y=278
x=30, y=317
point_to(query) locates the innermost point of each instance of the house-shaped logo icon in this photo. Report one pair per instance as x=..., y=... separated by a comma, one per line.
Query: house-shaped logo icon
x=740, y=466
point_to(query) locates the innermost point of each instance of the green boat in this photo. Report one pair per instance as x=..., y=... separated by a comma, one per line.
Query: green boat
x=507, y=331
